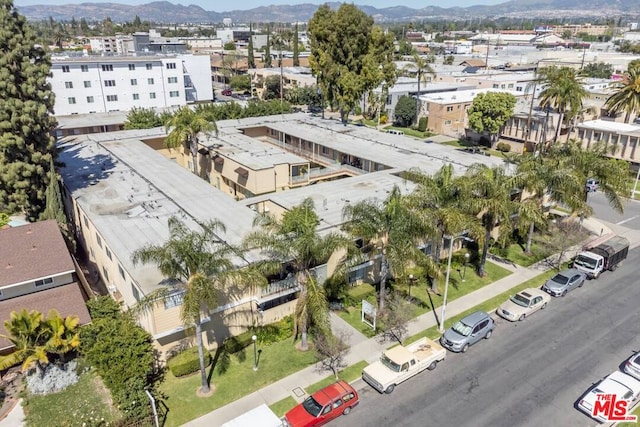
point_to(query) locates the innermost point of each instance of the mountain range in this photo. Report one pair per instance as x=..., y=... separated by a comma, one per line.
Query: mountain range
x=167, y=12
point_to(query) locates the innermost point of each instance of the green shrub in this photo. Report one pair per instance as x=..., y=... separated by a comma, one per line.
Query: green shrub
x=423, y=123
x=358, y=293
x=266, y=334
x=504, y=147
x=187, y=362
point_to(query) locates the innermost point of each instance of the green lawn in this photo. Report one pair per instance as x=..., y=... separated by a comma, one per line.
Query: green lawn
x=85, y=403
x=636, y=412
x=422, y=301
x=462, y=143
x=412, y=132
x=516, y=254
x=281, y=407
x=276, y=361
x=487, y=306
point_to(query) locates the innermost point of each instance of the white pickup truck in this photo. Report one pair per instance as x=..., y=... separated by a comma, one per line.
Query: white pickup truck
x=400, y=363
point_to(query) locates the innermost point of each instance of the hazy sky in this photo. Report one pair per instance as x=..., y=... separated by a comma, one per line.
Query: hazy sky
x=249, y=4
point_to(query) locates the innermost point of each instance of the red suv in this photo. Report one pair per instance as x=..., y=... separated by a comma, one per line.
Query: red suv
x=226, y=92
x=323, y=406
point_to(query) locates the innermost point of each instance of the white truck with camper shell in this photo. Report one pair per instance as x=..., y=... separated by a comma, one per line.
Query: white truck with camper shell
x=605, y=256
x=400, y=363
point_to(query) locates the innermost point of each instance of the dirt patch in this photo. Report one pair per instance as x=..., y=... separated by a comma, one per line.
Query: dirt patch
x=11, y=385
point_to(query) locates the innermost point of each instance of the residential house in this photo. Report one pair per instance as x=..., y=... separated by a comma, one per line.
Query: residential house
x=38, y=273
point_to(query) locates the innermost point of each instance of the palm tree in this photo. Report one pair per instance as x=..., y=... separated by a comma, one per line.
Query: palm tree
x=562, y=91
x=395, y=231
x=612, y=174
x=185, y=126
x=627, y=93
x=29, y=337
x=422, y=67
x=64, y=335
x=202, y=264
x=293, y=239
x=439, y=201
x=490, y=196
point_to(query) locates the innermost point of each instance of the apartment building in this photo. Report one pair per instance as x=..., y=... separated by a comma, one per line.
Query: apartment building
x=118, y=83
x=121, y=187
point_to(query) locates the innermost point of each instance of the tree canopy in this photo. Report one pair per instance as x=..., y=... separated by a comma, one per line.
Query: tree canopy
x=598, y=70
x=490, y=111
x=405, y=111
x=349, y=55
x=26, y=116
x=142, y=118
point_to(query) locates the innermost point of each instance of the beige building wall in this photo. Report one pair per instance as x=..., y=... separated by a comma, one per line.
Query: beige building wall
x=448, y=119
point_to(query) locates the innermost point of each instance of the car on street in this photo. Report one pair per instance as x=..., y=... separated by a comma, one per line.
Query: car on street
x=323, y=406
x=564, y=281
x=468, y=331
x=523, y=304
x=623, y=386
x=592, y=185
x=226, y=92
x=632, y=366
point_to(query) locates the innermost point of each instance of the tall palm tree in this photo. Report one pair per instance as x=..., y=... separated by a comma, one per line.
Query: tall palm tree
x=439, y=200
x=184, y=127
x=627, y=93
x=612, y=174
x=422, y=67
x=562, y=91
x=293, y=239
x=490, y=196
x=395, y=231
x=201, y=262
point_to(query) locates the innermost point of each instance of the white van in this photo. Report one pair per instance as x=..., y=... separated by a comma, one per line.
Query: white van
x=395, y=132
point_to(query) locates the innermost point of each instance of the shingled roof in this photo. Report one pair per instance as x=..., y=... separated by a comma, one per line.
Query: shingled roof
x=31, y=252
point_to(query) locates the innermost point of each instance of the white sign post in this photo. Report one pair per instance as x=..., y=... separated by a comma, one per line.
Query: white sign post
x=369, y=314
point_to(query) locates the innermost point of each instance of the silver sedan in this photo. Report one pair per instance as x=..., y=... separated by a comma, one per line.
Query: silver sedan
x=563, y=282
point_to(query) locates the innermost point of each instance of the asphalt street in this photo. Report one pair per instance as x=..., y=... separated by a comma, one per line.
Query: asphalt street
x=602, y=210
x=529, y=373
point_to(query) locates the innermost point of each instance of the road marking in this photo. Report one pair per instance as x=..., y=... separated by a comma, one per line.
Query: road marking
x=627, y=220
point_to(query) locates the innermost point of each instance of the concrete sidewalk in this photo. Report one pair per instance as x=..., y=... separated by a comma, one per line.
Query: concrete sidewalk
x=369, y=349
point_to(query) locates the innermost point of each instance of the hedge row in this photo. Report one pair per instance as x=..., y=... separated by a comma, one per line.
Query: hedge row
x=187, y=362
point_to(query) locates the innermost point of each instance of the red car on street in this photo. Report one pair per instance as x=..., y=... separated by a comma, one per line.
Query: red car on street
x=323, y=406
x=226, y=92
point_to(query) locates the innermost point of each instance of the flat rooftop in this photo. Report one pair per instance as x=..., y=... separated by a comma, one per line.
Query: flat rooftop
x=461, y=96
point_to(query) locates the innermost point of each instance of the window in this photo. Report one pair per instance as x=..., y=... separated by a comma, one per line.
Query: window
x=65, y=68
x=109, y=83
x=135, y=292
x=152, y=95
x=150, y=80
x=43, y=282
x=173, y=80
x=71, y=100
x=510, y=86
x=105, y=274
x=87, y=83
x=447, y=122
x=89, y=99
x=325, y=150
x=121, y=271
x=337, y=403
x=112, y=98
x=173, y=300
x=86, y=221
x=68, y=85
x=174, y=94
x=132, y=67
x=495, y=85
x=134, y=82
x=106, y=249
x=99, y=240
x=84, y=68
x=450, y=108
x=171, y=65
x=136, y=96
x=107, y=67
x=149, y=66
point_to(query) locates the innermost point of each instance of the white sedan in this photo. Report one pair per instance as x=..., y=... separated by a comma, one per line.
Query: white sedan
x=623, y=386
x=632, y=366
x=523, y=304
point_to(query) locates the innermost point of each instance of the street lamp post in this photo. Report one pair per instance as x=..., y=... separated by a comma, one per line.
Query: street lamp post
x=466, y=261
x=255, y=353
x=411, y=279
x=446, y=281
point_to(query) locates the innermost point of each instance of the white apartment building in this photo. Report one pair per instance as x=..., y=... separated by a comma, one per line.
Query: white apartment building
x=120, y=83
x=119, y=44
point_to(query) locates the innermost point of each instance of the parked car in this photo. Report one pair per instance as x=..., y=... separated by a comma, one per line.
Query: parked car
x=523, y=304
x=226, y=92
x=563, y=282
x=468, y=331
x=315, y=109
x=591, y=185
x=323, y=406
x=632, y=366
x=621, y=385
